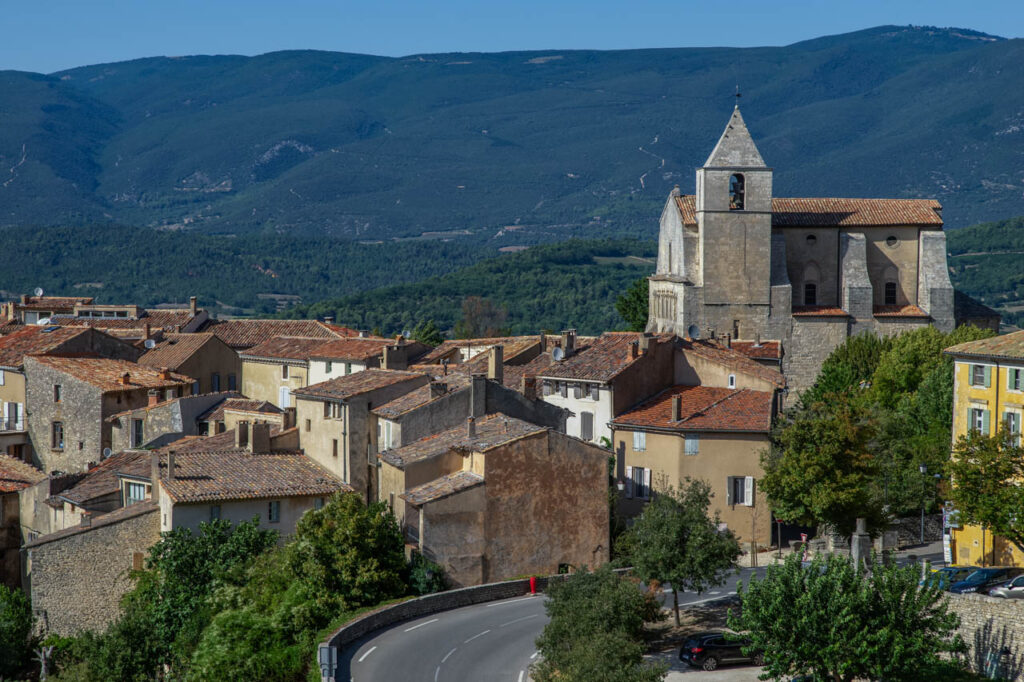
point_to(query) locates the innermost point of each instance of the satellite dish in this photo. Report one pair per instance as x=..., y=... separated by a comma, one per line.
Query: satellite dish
x=38, y=291
x=407, y=333
x=693, y=332
x=43, y=322
x=107, y=452
x=558, y=354
x=150, y=344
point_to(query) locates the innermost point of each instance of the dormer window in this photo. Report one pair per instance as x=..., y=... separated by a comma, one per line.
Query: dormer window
x=736, y=192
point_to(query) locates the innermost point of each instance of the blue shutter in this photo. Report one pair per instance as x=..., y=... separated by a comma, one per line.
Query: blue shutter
x=988, y=376
x=985, y=414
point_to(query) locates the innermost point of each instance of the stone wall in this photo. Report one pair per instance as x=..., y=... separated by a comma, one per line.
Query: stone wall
x=80, y=411
x=77, y=576
x=992, y=626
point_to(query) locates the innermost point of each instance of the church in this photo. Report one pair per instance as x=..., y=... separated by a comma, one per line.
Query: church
x=798, y=275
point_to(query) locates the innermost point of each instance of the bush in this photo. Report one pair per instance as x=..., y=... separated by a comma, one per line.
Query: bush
x=15, y=632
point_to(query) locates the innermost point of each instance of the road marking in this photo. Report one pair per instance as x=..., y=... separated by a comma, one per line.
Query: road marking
x=447, y=655
x=509, y=601
x=368, y=652
x=421, y=624
x=534, y=655
x=521, y=673
x=518, y=620
x=715, y=592
x=437, y=673
x=704, y=601
x=475, y=636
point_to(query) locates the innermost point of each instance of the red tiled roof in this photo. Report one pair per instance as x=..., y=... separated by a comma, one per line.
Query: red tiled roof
x=157, y=319
x=174, y=350
x=105, y=373
x=766, y=350
x=602, y=361
x=351, y=349
x=491, y=431
x=836, y=212
x=512, y=346
x=351, y=385
x=183, y=399
x=899, y=311
x=731, y=359
x=249, y=333
x=421, y=396
x=704, y=409
x=442, y=487
x=1006, y=346
x=284, y=348
x=240, y=405
x=818, y=311
x=102, y=480
x=16, y=475
x=30, y=340
x=53, y=303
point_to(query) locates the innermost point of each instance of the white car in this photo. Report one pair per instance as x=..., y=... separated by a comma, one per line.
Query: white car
x=1011, y=589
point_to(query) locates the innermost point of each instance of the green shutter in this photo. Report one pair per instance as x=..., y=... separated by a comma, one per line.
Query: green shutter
x=985, y=414
x=988, y=376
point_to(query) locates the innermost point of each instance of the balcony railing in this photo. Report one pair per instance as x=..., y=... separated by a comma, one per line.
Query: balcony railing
x=12, y=424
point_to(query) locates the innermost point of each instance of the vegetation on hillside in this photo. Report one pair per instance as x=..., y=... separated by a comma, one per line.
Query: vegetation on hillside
x=987, y=261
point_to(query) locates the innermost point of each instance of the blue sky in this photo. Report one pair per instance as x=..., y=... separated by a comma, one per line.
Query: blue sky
x=48, y=35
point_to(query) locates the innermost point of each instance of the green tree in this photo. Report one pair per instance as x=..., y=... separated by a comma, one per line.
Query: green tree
x=675, y=540
x=633, y=305
x=427, y=332
x=595, y=632
x=820, y=468
x=987, y=472
x=841, y=624
x=481, y=318
x=15, y=632
x=850, y=365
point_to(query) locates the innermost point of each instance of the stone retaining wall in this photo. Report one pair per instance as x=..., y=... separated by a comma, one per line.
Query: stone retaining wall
x=992, y=626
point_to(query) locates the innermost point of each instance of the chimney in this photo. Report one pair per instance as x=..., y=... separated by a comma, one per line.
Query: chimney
x=259, y=441
x=145, y=331
x=242, y=434
x=478, y=395
x=126, y=379
x=437, y=389
x=677, y=408
x=757, y=340
x=645, y=343
x=528, y=387
x=177, y=329
x=495, y=366
x=399, y=340
x=728, y=340
x=328, y=319
x=543, y=341
x=569, y=341
x=395, y=357
x=154, y=397
x=170, y=465
x=363, y=333
x=86, y=520
x=154, y=475
x=290, y=418
x=471, y=427
x=192, y=305
x=634, y=350
x=165, y=374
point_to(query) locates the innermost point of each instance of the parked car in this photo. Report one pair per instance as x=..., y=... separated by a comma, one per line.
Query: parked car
x=946, y=576
x=708, y=650
x=1011, y=589
x=983, y=578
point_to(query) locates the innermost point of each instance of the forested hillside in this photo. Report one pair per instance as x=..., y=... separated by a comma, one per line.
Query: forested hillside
x=509, y=148
x=987, y=261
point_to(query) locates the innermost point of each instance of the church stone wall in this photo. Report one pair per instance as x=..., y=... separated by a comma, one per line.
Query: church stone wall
x=893, y=263
x=935, y=291
x=812, y=255
x=856, y=284
x=812, y=341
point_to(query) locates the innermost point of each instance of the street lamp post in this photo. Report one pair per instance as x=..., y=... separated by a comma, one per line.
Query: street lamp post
x=924, y=470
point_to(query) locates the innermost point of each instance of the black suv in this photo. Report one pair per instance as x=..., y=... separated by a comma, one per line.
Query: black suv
x=708, y=650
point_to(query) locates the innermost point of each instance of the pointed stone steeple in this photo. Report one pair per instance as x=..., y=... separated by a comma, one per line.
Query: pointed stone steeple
x=735, y=149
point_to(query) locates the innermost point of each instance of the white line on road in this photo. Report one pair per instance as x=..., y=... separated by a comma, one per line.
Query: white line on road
x=534, y=655
x=521, y=673
x=703, y=601
x=447, y=655
x=509, y=601
x=475, y=636
x=715, y=592
x=518, y=620
x=421, y=624
x=368, y=652
x=437, y=673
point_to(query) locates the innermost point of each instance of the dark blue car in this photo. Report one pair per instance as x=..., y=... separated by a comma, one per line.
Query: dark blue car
x=983, y=578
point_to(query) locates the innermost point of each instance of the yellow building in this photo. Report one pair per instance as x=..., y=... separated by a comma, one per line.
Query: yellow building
x=988, y=393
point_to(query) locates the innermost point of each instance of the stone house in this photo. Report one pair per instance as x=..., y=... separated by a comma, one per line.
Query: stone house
x=15, y=476
x=30, y=309
x=36, y=340
x=212, y=363
x=225, y=415
x=598, y=381
x=242, y=335
x=347, y=356
x=70, y=398
x=275, y=369
x=498, y=497
x=337, y=428
x=712, y=434
x=134, y=323
x=164, y=421
x=517, y=350
x=806, y=272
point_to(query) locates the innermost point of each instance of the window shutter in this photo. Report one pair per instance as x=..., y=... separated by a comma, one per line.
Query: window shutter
x=985, y=422
x=988, y=376
x=629, y=481
x=748, y=491
x=647, y=482
x=7, y=411
x=728, y=490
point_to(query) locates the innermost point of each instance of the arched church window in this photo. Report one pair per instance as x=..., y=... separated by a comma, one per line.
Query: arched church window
x=890, y=293
x=810, y=293
x=736, y=192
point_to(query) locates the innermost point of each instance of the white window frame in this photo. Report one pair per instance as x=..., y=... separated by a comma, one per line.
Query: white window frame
x=732, y=381
x=748, y=488
x=130, y=487
x=977, y=420
x=1014, y=379
x=639, y=441
x=2, y=372
x=691, y=444
x=638, y=483
x=1012, y=423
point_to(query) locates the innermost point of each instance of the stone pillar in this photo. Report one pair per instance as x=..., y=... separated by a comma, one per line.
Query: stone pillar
x=860, y=544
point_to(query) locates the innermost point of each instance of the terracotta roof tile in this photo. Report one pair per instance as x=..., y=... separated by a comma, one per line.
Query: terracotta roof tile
x=103, y=479
x=512, y=346
x=157, y=319
x=491, y=431
x=174, y=350
x=351, y=385
x=602, y=360
x=248, y=333
x=16, y=475
x=177, y=399
x=836, y=212
x=351, y=349
x=898, y=311
x=964, y=307
x=53, y=303
x=284, y=348
x=704, y=408
x=767, y=350
x=443, y=487
x=105, y=373
x=1006, y=346
x=422, y=395
x=731, y=359
x=240, y=405
x=818, y=311
x=28, y=340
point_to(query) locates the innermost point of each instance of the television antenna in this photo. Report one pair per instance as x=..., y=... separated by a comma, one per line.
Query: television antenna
x=43, y=322
x=38, y=291
x=150, y=344
x=107, y=452
x=406, y=334
x=558, y=354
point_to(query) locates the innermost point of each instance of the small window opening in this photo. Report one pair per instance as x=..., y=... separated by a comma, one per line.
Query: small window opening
x=811, y=240
x=810, y=293
x=892, y=241
x=890, y=293
x=736, y=192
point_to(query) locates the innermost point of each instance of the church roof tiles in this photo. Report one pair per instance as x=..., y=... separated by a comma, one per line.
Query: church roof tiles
x=835, y=212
